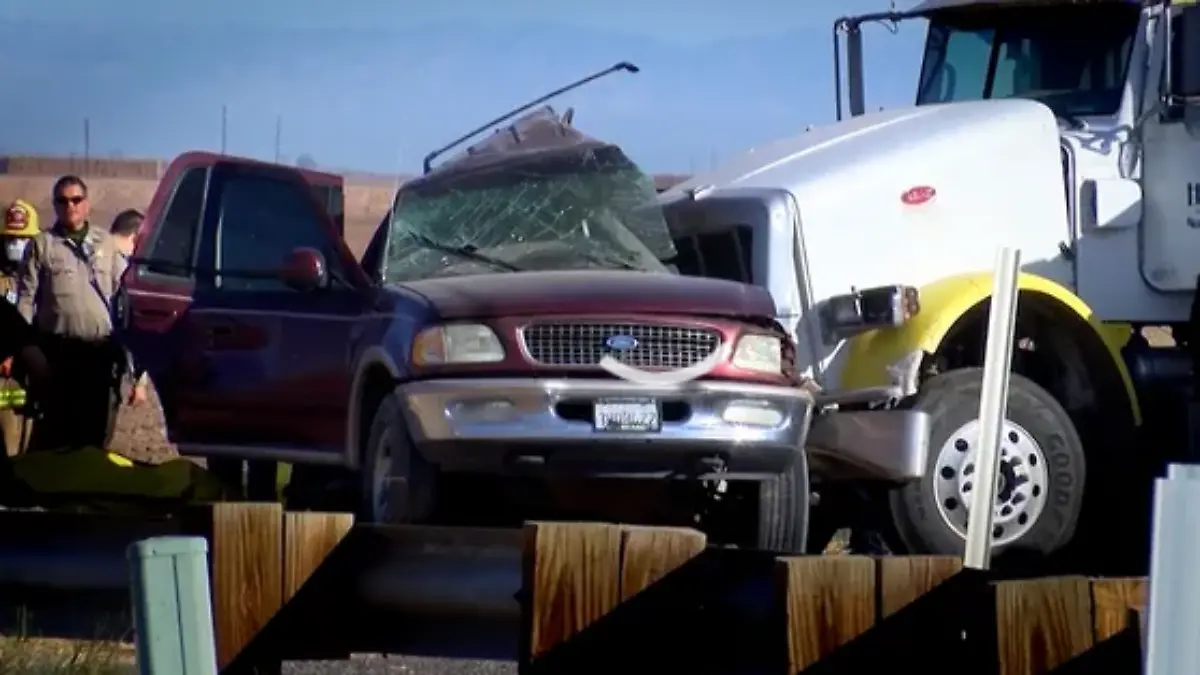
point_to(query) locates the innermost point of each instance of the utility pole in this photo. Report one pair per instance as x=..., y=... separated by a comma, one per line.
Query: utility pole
x=87, y=142
x=224, y=128
x=278, y=137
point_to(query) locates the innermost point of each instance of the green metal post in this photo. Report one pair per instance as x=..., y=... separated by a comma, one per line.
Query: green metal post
x=172, y=608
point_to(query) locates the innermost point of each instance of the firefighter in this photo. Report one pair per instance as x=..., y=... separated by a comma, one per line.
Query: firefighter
x=20, y=225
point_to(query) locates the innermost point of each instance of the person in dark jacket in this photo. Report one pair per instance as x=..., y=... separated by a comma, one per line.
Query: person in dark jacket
x=125, y=230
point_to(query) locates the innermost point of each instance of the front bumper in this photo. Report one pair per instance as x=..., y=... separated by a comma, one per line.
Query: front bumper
x=519, y=425
x=888, y=445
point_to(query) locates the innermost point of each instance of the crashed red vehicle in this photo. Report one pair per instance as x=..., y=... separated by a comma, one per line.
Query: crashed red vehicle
x=465, y=349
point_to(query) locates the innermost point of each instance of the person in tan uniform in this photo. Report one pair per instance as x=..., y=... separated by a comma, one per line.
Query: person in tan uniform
x=20, y=226
x=69, y=275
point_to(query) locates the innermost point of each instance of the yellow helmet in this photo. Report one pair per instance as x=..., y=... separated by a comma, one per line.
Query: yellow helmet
x=20, y=220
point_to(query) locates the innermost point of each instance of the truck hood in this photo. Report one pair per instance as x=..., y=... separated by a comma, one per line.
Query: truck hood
x=589, y=292
x=989, y=174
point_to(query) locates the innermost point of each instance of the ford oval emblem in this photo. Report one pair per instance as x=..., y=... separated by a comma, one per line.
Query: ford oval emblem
x=620, y=343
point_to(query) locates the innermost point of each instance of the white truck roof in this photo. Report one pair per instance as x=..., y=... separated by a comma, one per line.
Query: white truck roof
x=933, y=5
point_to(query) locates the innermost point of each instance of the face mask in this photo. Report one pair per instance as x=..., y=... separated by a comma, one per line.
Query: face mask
x=14, y=250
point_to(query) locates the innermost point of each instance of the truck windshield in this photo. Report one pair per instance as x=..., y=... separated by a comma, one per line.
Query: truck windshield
x=1073, y=58
x=563, y=210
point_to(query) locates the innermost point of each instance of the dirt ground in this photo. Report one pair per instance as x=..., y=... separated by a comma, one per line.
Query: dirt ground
x=140, y=434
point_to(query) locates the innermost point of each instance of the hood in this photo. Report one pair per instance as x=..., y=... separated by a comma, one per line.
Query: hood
x=912, y=195
x=892, y=138
x=590, y=292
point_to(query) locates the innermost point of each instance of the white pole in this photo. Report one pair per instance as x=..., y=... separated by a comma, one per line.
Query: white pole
x=1170, y=644
x=993, y=406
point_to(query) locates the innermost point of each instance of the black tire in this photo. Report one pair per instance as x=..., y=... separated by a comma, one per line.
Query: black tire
x=952, y=400
x=413, y=480
x=783, y=509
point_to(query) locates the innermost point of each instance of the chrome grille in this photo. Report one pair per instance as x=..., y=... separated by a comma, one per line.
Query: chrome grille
x=583, y=344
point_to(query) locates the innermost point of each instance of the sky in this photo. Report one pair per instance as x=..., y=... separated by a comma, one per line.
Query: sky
x=372, y=85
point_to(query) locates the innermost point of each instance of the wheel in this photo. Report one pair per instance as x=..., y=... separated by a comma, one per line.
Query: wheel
x=783, y=508
x=398, y=484
x=1041, y=477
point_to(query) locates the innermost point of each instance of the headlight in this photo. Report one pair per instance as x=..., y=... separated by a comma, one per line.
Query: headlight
x=844, y=316
x=762, y=353
x=457, y=343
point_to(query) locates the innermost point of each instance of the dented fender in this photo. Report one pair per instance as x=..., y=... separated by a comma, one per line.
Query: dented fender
x=892, y=356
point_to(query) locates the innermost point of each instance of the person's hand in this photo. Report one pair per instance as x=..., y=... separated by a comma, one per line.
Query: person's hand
x=6, y=367
x=137, y=394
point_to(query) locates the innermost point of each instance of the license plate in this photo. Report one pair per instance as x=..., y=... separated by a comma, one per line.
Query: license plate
x=627, y=415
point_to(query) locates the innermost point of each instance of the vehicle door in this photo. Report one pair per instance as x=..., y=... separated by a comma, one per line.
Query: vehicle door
x=154, y=303
x=279, y=356
x=1169, y=239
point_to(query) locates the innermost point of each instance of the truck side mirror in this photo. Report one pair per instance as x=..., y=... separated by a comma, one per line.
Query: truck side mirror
x=1185, y=54
x=304, y=270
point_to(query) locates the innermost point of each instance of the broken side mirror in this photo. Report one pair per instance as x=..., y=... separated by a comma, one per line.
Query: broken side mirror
x=304, y=270
x=1183, y=84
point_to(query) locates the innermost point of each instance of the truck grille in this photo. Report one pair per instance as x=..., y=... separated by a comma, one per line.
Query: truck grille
x=584, y=344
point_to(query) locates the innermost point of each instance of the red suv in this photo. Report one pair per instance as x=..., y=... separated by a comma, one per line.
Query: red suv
x=468, y=345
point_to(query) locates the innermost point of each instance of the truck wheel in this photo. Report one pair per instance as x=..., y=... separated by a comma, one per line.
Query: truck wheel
x=1041, y=478
x=398, y=484
x=783, y=507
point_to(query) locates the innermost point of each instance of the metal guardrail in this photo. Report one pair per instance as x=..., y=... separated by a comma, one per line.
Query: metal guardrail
x=423, y=591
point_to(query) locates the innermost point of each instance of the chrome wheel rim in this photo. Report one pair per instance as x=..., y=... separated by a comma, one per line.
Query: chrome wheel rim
x=1022, y=481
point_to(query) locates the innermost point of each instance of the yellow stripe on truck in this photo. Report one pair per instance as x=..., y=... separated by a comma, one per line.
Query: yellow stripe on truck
x=943, y=302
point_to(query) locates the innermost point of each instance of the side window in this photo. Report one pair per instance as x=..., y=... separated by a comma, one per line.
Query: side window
x=956, y=65
x=173, y=247
x=263, y=219
x=724, y=254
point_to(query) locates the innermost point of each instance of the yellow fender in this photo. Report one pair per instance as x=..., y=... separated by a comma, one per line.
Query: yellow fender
x=943, y=302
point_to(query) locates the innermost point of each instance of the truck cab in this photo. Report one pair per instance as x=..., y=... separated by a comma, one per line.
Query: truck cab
x=1059, y=128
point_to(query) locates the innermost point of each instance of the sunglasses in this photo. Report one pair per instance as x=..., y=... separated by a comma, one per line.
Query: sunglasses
x=74, y=200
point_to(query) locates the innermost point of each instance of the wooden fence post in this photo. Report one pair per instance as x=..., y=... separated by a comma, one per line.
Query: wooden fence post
x=830, y=601
x=1112, y=602
x=1042, y=623
x=307, y=538
x=246, y=542
x=572, y=573
x=650, y=553
x=904, y=579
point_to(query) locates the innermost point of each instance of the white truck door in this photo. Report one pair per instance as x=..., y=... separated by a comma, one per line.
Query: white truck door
x=1170, y=258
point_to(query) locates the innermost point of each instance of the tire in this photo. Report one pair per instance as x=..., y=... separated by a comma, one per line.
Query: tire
x=1037, y=431
x=783, y=509
x=391, y=461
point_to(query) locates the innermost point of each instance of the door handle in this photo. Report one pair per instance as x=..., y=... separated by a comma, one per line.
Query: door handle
x=221, y=330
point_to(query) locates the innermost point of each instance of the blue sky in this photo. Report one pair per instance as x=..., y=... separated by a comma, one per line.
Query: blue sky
x=374, y=84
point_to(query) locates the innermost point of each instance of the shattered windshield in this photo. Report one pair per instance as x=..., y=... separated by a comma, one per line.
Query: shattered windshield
x=582, y=206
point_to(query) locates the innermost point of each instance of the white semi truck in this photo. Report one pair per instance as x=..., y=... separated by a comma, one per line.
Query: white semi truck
x=1069, y=130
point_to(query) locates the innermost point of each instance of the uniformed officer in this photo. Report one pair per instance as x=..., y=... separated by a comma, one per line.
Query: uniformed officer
x=68, y=277
x=20, y=226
